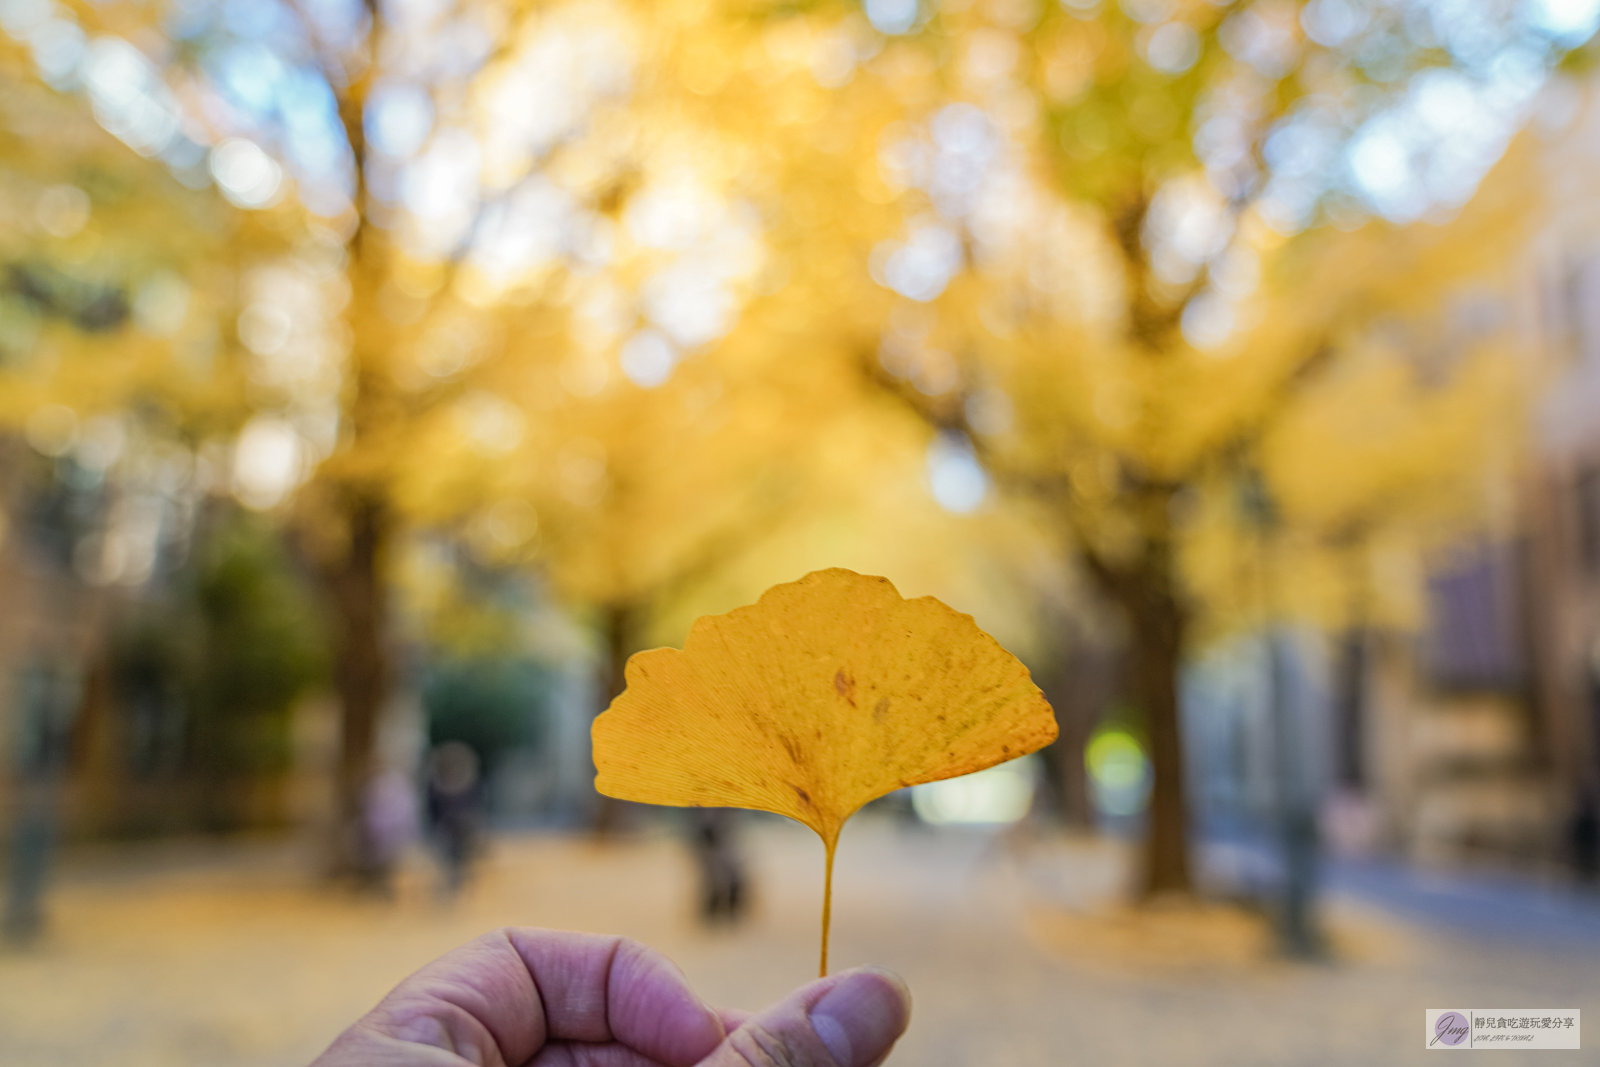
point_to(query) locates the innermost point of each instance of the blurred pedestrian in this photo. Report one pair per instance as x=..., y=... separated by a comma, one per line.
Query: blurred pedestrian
x=392, y=825
x=522, y=995
x=721, y=861
x=1583, y=834
x=455, y=809
x=47, y=703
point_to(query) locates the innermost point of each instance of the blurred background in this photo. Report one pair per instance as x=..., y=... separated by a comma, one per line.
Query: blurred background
x=376, y=377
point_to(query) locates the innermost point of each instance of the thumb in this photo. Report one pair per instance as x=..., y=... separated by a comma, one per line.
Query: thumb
x=850, y=1019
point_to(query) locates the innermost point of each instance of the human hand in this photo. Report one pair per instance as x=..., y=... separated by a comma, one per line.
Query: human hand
x=525, y=997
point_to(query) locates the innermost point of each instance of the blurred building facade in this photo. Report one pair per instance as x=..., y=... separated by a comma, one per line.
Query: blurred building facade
x=1562, y=491
x=1474, y=737
x=1482, y=736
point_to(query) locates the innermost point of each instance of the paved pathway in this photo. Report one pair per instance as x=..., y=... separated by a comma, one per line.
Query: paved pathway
x=1498, y=909
x=172, y=958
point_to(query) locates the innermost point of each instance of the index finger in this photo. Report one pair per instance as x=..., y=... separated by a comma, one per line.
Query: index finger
x=500, y=998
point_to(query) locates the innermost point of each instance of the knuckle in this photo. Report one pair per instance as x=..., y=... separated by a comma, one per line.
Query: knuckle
x=628, y=948
x=758, y=1046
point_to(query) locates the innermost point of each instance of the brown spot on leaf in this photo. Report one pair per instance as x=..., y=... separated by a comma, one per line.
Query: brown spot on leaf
x=845, y=686
x=805, y=798
x=791, y=746
x=880, y=709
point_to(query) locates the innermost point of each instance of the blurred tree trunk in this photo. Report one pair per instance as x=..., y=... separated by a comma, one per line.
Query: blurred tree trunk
x=1350, y=669
x=1144, y=588
x=1099, y=678
x=1080, y=684
x=1350, y=681
x=357, y=518
x=1076, y=719
x=1142, y=582
x=1157, y=624
x=357, y=601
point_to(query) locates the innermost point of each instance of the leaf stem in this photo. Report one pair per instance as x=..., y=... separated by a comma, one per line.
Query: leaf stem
x=827, y=902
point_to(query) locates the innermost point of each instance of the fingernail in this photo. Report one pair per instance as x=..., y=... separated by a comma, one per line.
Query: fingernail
x=861, y=1017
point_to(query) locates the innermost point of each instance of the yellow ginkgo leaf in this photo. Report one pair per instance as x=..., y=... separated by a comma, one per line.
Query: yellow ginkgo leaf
x=827, y=693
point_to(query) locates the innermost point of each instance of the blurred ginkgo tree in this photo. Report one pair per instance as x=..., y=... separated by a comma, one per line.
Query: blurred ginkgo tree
x=625, y=291
x=1121, y=258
